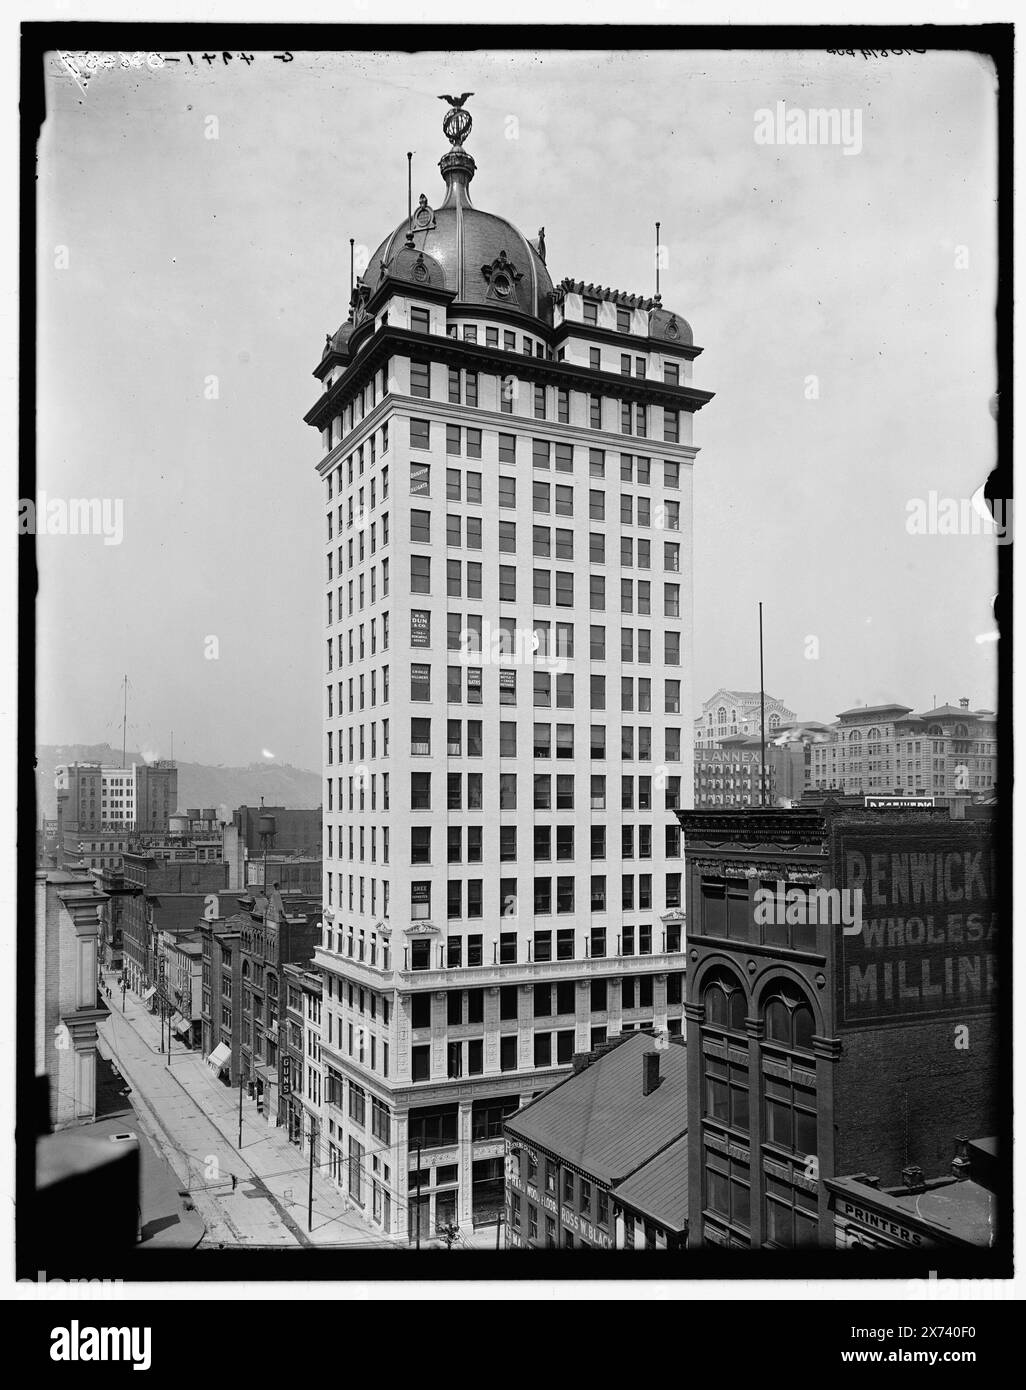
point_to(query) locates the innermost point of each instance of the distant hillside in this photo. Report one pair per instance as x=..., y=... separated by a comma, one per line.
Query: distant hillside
x=199, y=785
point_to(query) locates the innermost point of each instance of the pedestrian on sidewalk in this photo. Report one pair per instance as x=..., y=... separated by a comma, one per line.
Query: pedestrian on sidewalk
x=234, y=1182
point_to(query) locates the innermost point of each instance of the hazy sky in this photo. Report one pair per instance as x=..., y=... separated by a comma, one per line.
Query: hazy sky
x=189, y=258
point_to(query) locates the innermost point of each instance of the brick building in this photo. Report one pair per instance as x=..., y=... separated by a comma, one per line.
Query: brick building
x=600, y=1161
x=278, y=930
x=168, y=896
x=831, y=1035
x=730, y=772
x=295, y=831
x=946, y=752
x=221, y=988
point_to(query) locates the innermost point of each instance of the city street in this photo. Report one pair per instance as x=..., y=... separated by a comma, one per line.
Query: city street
x=193, y=1119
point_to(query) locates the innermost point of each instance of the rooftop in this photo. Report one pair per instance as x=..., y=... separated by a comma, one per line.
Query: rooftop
x=864, y=711
x=659, y=1189
x=600, y=1121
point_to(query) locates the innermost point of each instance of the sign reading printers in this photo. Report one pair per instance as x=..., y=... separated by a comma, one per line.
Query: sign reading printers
x=928, y=944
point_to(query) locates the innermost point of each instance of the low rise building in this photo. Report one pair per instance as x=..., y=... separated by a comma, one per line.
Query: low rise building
x=957, y=1209
x=221, y=985
x=600, y=1160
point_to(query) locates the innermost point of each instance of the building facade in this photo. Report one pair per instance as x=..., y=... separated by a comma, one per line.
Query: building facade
x=100, y=807
x=221, y=986
x=68, y=1006
x=732, y=772
x=729, y=713
x=277, y=931
x=163, y=895
x=835, y=956
x=946, y=752
x=508, y=588
x=600, y=1161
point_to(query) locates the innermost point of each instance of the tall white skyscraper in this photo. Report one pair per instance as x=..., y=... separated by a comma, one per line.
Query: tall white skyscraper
x=507, y=694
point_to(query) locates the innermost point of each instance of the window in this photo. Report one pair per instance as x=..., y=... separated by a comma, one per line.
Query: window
x=420, y=436
x=420, y=320
x=507, y=492
x=420, y=1062
x=420, y=682
x=420, y=745
x=597, y=505
x=420, y=377
x=420, y=574
x=420, y=526
x=507, y=538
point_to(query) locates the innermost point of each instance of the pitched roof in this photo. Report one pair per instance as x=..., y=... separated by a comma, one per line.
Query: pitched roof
x=946, y=712
x=599, y=1121
x=874, y=709
x=659, y=1189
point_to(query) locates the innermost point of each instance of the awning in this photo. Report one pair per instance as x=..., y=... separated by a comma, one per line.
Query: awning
x=184, y=1025
x=150, y=992
x=220, y=1057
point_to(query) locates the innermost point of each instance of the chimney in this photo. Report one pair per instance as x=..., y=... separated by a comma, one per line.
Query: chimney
x=912, y=1177
x=961, y=1167
x=651, y=1078
x=964, y=702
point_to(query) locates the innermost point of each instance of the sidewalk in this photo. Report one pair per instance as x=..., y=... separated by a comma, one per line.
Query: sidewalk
x=192, y=1106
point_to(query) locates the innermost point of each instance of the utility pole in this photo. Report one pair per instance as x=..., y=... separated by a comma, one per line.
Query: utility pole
x=240, y=1108
x=124, y=724
x=309, y=1200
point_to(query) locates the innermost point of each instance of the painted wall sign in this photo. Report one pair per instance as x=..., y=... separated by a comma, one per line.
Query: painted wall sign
x=928, y=943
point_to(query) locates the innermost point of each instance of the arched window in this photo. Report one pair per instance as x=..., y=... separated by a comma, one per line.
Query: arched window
x=245, y=969
x=774, y=721
x=855, y=736
x=961, y=731
x=790, y=1216
x=724, y=1001
x=726, y=1180
x=935, y=731
x=721, y=715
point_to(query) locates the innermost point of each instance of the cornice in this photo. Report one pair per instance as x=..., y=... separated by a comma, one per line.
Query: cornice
x=456, y=350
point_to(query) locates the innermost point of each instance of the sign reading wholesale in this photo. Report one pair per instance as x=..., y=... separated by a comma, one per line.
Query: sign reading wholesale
x=927, y=945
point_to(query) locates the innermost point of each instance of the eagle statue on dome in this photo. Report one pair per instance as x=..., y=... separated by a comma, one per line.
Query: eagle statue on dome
x=456, y=123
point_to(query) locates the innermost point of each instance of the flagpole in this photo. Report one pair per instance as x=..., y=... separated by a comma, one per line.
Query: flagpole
x=762, y=715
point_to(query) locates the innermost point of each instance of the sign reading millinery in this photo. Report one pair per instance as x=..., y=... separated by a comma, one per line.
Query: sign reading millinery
x=286, y=1075
x=923, y=940
x=420, y=628
x=419, y=675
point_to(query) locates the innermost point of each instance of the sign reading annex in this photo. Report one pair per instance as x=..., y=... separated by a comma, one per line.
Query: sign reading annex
x=928, y=944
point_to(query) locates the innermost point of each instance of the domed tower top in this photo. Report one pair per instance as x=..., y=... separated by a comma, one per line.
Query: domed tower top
x=479, y=256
